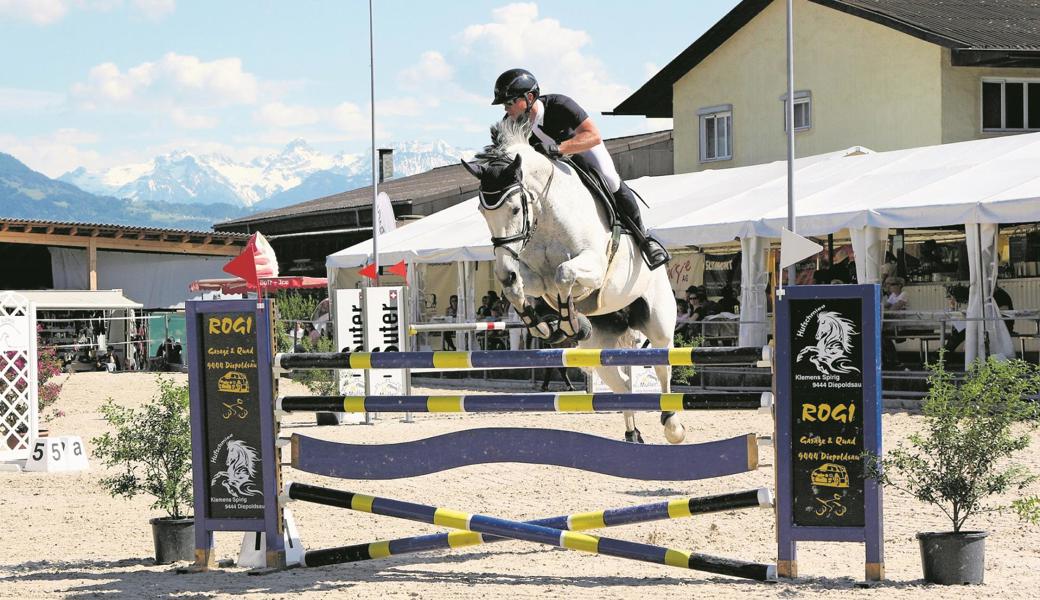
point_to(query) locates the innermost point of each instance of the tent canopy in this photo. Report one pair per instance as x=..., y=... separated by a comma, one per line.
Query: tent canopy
x=79, y=299
x=981, y=181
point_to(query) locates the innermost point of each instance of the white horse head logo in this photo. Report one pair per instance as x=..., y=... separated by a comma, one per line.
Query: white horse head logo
x=241, y=469
x=833, y=344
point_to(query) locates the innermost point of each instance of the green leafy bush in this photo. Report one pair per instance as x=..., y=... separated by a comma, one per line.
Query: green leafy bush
x=972, y=430
x=151, y=447
x=292, y=307
x=684, y=375
x=321, y=382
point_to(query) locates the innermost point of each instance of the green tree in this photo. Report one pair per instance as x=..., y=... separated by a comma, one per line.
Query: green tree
x=971, y=432
x=151, y=448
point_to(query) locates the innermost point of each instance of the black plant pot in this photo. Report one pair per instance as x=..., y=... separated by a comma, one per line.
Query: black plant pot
x=953, y=558
x=174, y=539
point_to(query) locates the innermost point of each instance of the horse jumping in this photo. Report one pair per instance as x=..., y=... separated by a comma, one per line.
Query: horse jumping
x=548, y=246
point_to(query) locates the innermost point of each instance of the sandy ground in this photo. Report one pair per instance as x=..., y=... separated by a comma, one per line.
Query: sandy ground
x=65, y=537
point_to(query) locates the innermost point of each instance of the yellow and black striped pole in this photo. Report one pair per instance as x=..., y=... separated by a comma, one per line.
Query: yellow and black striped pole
x=541, y=534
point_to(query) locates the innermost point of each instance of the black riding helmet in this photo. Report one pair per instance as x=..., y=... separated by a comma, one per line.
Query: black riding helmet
x=513, y=84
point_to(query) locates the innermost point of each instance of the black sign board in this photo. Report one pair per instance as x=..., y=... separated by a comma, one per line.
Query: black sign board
x=231, y=399
x=826, y=381
x=721, y=270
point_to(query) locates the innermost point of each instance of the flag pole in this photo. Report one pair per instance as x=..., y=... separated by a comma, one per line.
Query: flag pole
x=375, y=181
x=789, y=116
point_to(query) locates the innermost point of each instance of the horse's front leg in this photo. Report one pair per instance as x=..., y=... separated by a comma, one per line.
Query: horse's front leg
x=585, y=271
x=514, y=275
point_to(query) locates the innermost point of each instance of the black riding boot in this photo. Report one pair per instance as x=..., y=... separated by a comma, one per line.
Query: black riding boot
x=628, y=207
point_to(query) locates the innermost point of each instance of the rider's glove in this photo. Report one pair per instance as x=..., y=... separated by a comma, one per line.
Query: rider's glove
x=549, y=149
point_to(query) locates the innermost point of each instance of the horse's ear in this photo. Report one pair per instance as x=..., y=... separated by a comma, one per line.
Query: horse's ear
x=475, y=169
x=513, y=170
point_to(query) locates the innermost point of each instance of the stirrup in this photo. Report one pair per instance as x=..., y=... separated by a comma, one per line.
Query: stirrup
x=649, y=245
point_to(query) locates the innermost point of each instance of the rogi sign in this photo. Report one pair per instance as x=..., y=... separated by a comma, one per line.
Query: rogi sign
x=233, y=432
x=827, y=420
x=232, y=412
x=828, y=413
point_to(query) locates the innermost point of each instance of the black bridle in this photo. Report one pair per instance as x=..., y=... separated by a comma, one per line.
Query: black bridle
x=495, y=199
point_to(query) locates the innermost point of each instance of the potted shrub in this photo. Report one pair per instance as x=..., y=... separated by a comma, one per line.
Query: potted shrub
x=151, y=450
x=972, y=430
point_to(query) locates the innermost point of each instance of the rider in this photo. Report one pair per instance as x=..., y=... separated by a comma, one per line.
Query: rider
x=559, y=126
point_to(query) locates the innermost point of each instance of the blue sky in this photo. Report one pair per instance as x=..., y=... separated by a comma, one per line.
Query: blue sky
x=99, y=83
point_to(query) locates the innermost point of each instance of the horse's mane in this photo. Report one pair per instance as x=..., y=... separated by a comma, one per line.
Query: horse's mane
x=504, y=135
x=241, y=455
x=835, y=328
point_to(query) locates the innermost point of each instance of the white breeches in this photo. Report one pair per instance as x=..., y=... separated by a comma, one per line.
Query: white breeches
x=599, y=158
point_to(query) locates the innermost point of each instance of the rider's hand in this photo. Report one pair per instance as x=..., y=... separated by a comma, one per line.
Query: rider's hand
x=549, y=149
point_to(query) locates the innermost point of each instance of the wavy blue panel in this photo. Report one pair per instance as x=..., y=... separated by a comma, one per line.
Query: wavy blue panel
x=581, y=451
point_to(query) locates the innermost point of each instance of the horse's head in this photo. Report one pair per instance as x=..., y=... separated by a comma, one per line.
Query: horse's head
x=832, y=328
x=501, y=195
x=506, y=208
x=507, y=169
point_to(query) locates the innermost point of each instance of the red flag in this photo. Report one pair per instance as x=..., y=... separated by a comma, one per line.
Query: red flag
x=369, y=271
x=400, y=269
x=243, y=266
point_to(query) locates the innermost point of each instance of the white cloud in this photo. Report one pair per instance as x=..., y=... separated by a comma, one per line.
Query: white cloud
x=155, y=10
x=277, y=114
x=55, y=153
x=39, y=12
x=517, y=37
x=47, y=12
x=432, y=69
x=650, y=69
x=174, y=79
x=435, y=78
x=15, y=99
x=186, y=120
x=406, y=107
x=348, y=118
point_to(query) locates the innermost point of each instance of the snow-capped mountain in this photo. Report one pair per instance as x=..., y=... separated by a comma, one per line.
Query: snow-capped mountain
x=295, y=174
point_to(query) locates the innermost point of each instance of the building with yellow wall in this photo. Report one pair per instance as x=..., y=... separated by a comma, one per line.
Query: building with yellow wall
x=882, y=74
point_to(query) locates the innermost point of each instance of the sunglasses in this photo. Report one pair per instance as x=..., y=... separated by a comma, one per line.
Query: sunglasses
x=510, y=103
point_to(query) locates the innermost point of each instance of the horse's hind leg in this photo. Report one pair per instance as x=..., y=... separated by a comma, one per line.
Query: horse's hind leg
x=657, y=323
x=613, y=376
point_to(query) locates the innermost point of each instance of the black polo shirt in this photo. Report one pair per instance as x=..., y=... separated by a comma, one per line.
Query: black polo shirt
x=561, y=116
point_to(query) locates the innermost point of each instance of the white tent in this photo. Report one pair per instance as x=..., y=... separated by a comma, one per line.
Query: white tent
x=979, y=183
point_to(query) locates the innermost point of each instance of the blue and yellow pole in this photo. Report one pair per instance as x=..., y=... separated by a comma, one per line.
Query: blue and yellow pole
x=541, y=534
x=643, y=513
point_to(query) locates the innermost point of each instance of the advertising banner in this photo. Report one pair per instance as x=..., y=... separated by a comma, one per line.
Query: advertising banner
x=828, y=416
x=721, y=270
x=350, y=337
x=231, y=399
x=384, y=326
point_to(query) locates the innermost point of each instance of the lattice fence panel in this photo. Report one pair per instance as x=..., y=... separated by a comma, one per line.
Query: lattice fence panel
x=19, y=388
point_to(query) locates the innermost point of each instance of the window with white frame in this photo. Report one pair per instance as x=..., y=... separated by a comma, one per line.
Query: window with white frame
x=802, y=110
x=1010, y=104
x=716, y=132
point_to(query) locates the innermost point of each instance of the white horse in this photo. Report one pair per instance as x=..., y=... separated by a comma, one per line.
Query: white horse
x=553, y=241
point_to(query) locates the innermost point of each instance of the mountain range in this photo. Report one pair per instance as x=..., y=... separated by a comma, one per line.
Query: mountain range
x=297, y=173
x=188, y=191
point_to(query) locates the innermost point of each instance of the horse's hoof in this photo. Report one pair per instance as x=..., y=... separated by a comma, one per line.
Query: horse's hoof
x=674, y=431
x=584, y=328
x=634, y=436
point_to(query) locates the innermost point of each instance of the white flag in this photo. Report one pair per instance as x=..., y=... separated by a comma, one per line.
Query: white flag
x=385, y=213
x=794, y=248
